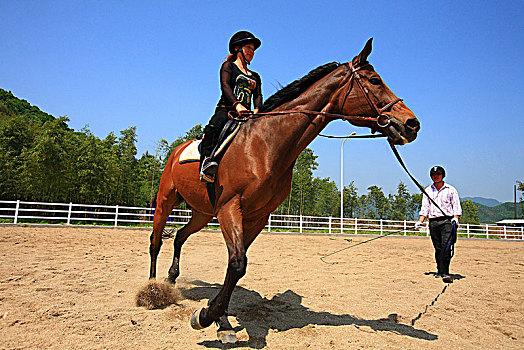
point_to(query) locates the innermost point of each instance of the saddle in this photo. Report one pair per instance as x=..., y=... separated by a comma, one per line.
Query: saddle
x=192, y=152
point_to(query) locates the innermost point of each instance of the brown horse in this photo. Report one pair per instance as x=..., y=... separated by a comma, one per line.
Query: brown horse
x=254, y=176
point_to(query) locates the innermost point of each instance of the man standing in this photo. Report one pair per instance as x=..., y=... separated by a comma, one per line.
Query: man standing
x=441, y=219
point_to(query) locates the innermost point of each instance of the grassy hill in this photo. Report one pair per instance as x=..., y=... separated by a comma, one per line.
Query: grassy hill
x=11, y=105
x=502, y=211
x=489, y=202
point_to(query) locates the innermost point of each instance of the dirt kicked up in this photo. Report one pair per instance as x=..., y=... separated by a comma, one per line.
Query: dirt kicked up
x=75, y=288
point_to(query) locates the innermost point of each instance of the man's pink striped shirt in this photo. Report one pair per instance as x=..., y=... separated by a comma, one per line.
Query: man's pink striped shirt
x=447, y=198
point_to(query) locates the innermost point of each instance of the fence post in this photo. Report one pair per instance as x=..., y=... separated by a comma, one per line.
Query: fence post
x=487, y=231
x=356, y=226
x=300, y=223
x=116, y=216
x=505, y=233
x=16, y=211
x=269, y=223
x=329, y=225
x=69, y=214
x=381, y=233
x=467, y=229
x=405, y=228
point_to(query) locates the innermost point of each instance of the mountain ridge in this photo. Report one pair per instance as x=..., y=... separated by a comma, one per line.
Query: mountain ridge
x=488, y=202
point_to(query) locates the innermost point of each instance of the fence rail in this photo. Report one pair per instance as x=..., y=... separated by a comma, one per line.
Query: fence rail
x=117, y=216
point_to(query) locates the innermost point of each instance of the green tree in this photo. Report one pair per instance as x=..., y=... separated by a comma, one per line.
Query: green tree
x=44, y=171
x=470, y=212
x=127, y=174
x=521, y=188
x=351, y=200
x=327, y=196
x=301, y=197
x=90, y=169
x=400, y=204
x=149, y=174
x=377, y=203
x=17, y=135
x=110, y=156
x=415, y=204
x=163, y=151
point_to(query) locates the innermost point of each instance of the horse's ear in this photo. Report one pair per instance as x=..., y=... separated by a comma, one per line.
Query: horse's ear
x=363, y=55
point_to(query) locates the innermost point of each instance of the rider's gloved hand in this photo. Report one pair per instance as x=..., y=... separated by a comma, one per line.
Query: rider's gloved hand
x=240, y=108
x=455, y=220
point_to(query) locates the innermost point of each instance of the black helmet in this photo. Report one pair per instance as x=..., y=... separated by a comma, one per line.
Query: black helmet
x=437, y=169
x=242, y=38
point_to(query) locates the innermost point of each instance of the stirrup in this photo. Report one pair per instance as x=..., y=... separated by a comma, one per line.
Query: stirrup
x=209, y=167
x=208, y=170
x=207, y=178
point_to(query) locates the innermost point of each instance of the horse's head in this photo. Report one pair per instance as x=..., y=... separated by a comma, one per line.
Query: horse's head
x=367, y=95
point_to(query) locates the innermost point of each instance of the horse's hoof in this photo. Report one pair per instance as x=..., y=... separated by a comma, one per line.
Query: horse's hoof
x=227, y=336
x=170, y=280
x=195, y=322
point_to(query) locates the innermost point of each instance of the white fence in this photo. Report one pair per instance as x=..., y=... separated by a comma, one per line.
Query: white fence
x=116, y=216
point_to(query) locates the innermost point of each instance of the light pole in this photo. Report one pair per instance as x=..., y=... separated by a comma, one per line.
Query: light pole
x=342, y=182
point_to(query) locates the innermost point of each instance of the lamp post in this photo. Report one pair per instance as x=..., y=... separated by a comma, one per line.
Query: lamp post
x=342, y=182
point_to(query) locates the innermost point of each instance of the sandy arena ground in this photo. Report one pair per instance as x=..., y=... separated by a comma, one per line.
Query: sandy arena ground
x=74, y=288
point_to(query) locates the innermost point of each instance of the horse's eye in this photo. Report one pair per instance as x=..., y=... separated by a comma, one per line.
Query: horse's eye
x=375, y=81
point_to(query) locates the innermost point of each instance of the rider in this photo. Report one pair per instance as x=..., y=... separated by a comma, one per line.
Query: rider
x=440, y=224
x=240, y=88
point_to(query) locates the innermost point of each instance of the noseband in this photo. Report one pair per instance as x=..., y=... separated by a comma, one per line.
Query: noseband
x=381, y=119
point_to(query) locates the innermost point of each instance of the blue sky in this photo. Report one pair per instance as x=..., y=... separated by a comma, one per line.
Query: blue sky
x=154, y=65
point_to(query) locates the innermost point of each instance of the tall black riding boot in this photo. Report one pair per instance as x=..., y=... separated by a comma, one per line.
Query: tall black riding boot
x=208, y=167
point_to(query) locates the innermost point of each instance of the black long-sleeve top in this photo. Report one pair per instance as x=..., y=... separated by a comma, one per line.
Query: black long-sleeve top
x=238, y=87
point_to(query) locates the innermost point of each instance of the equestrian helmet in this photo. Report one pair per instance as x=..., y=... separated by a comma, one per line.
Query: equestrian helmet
x=242, y=38
x=437, y=169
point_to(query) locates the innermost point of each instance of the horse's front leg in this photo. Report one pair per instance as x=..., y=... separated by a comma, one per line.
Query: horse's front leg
x=230, y=219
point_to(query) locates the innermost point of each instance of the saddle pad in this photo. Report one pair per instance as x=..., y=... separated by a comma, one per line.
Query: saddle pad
x=192, y=153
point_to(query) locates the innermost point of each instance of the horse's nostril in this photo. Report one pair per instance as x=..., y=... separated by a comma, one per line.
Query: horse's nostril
x=413, y=124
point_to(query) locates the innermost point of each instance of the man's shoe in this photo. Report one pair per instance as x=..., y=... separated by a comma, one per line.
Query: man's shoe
x=447, y=278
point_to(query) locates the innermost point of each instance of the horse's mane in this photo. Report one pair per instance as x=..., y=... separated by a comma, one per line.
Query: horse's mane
x=294, y=89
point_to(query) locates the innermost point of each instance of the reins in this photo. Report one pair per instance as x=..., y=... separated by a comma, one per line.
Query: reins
x=381, y=119
x=370, y=136
x=250, y=115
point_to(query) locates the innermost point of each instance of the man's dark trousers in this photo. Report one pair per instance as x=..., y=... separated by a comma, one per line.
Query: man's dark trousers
x=440, y=231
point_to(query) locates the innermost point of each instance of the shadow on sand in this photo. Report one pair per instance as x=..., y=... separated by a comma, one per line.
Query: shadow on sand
x=257, y=315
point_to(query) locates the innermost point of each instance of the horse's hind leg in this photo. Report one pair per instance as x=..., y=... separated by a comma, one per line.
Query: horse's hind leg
x=167, y=199
x=197, y=222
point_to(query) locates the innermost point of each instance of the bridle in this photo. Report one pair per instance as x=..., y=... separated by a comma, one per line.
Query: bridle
x=382, y=120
